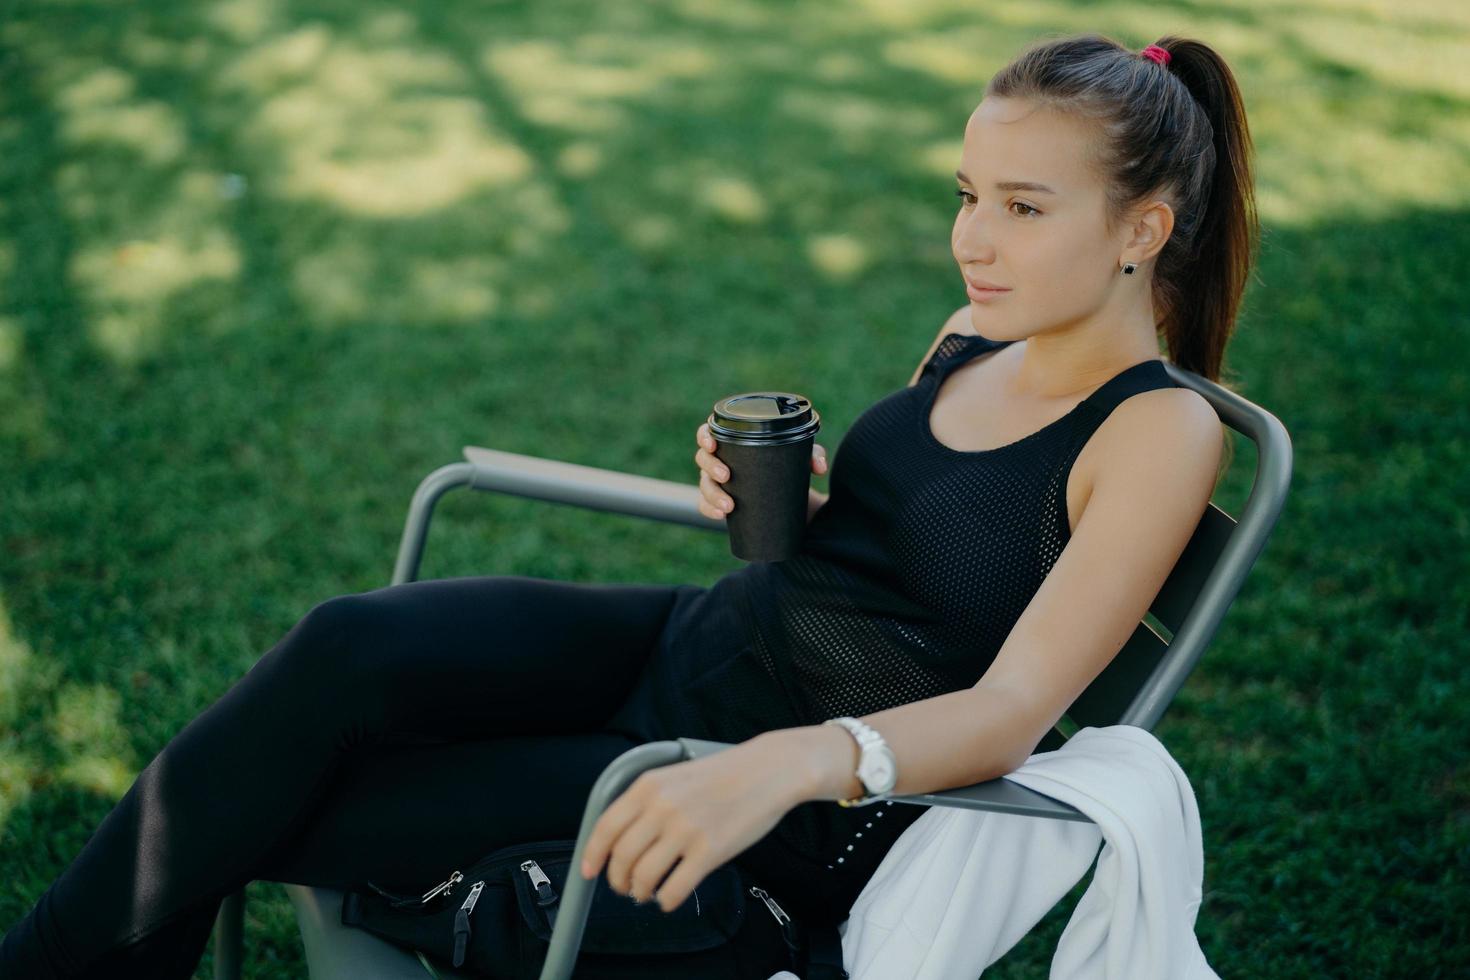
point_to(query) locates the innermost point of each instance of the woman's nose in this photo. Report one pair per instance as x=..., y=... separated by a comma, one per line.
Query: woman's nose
x=973, y=240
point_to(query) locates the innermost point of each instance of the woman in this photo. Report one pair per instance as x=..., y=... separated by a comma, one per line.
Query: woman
x=994, y=533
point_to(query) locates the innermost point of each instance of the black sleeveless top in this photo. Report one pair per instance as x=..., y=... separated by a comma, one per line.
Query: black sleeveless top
x=908, y=581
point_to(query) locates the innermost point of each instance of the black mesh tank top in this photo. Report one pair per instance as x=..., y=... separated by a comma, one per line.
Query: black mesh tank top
x=908, y=581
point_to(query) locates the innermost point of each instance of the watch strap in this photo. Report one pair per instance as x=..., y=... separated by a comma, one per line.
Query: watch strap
x=867, y=737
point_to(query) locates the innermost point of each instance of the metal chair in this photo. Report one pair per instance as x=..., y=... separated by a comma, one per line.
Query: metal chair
x=1135, y=688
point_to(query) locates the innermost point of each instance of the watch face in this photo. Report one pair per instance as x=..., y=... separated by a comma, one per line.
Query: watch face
x=878, y=773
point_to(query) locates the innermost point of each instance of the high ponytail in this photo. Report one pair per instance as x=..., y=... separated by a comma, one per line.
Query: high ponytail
x=1178, y=131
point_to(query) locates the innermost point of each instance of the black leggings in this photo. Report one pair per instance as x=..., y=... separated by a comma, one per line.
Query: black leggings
x=388, y=735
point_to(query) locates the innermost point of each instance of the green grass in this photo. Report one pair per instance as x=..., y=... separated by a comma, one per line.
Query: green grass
x=467, y=223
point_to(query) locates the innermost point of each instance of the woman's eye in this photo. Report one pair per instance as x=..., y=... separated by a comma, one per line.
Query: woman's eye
x=969, y=201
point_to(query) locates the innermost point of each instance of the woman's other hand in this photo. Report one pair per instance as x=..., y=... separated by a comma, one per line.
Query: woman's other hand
x=675, y=824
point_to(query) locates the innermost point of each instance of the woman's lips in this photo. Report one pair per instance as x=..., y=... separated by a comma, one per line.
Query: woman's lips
x=981, y=295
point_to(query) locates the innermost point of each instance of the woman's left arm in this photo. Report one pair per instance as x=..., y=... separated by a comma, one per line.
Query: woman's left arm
x=675, y=824
x=1162, y=455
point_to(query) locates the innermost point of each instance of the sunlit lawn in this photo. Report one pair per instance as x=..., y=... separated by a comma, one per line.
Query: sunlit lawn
x=265, y=265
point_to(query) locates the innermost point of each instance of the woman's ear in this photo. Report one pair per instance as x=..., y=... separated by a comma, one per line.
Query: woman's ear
x=1152, y=226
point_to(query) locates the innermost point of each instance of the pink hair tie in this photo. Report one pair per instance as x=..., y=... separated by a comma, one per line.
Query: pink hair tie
x=1155, y=53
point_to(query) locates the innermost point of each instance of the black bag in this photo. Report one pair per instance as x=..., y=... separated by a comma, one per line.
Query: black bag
x=495, y=920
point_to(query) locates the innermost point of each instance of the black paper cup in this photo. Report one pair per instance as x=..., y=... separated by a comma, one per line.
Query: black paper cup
x=765, y=438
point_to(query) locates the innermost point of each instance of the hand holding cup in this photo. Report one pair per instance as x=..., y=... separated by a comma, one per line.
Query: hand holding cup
x=758, y=450
x=714, y=502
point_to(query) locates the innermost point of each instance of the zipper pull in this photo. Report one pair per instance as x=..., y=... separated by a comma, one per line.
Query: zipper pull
x=408, y=901
x=545, y=894
x=784, y=920
x=444, y=887
x=462, y=922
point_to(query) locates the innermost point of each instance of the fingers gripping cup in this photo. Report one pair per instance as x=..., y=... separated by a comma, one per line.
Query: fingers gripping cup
x=765, y=438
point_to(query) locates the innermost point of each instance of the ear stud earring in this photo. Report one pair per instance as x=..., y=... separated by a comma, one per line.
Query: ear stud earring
x=1128, y=268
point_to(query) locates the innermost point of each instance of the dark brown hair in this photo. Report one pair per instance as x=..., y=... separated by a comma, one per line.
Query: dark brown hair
x=1176, y=132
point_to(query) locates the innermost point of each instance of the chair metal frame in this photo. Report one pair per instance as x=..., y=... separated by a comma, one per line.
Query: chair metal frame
x=1135, y=688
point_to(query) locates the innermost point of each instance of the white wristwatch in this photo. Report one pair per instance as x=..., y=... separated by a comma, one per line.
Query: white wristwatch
x=877, y=769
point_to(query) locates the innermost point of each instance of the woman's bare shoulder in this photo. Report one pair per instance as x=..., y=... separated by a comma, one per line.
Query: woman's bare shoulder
x=1163, y=416
x=958, y=322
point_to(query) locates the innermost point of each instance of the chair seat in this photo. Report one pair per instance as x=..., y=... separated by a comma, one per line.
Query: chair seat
x=338, y=952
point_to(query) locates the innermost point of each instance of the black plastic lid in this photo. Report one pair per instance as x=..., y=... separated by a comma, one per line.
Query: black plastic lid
x=764, y=417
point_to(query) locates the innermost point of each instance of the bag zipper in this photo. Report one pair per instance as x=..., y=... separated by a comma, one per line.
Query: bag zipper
x=462, y=922
x=446, y=887
x=788, y=931
x=485, y=868
x=401, y=901
x=545, y=894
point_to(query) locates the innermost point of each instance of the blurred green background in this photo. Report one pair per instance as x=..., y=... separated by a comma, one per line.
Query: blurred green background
x=264, y=265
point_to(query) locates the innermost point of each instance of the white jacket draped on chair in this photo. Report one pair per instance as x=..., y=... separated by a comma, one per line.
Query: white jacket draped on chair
x=961, y=887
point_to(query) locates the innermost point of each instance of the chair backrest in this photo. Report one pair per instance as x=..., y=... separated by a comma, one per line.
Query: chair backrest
x=1142, y=680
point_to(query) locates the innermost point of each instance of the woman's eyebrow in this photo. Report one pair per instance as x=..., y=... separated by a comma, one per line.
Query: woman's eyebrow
x=1012, y=185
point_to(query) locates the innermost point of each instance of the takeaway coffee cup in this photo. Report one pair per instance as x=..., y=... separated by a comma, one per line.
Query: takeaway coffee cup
x=765, y=438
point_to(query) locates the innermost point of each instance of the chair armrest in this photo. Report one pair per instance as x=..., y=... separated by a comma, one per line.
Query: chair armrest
x=587, y=486
x=998, y=795
x=545, y=479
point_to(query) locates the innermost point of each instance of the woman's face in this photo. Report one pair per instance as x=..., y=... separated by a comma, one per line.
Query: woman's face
x=1048, y=248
